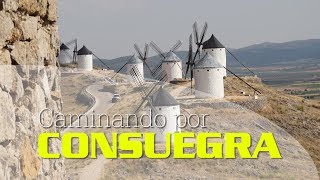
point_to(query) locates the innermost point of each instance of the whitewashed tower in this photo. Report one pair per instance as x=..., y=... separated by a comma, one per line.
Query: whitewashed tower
x=84, y=59
x=64, y=57
x=172, y=66
x=208, y=74
x=136, y=64
x=167, y=106
x=217, y=51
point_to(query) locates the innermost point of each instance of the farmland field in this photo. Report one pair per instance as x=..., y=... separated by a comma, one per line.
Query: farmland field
x=300, y=78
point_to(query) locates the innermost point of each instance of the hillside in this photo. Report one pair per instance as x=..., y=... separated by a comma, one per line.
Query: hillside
x=297, y=116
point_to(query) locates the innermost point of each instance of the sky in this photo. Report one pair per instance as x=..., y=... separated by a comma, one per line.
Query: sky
x=110, y=28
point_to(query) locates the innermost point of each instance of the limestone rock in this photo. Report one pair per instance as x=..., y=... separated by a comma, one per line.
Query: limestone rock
x=29, y=28
x=30, y=162
x=6, y=25
x=19, y=54
x=3, y=156
x=7, y=117
x=6, y=77
x=17, y=90
x=52, y=10
x=44, y=82
x=37, y=99
x=23, y=116
x=34, y=7
x=10, y=5
x=42, y=45
x=5, y=57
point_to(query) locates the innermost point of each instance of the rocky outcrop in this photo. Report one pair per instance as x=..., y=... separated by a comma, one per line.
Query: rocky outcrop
x=29, y=82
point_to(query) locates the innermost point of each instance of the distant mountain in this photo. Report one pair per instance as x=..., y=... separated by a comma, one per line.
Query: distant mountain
x=265, y=54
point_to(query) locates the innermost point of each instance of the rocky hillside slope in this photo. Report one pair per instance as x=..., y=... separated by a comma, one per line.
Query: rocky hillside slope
x=298, y=116
x=29, y=82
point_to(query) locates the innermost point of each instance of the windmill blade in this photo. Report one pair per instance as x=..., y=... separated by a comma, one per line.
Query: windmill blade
x=191, y=76
x=68, y=54
x=148, y=67
x=75, y=51
x=203, y=33
x=146, y=98
x=196, y=54
x=156, y=48
x=190, y=48
x=73, y=41
x=140, y=106
x=176, y=46
x=122, y=66
x=156, y=69
x=74, y=58
x=146, y=51
x=101, y=61
x=162, y=76
x=190, y=53
x=195, y=32
x=136, y=47
x=136, y=75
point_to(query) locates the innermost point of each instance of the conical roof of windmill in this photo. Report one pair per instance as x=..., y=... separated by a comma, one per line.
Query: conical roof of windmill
x=135, y=60
x=63, y=47
x=212, y=43
x=171, y=57
x=84, y=51
x=163, y=98
x=207, y=62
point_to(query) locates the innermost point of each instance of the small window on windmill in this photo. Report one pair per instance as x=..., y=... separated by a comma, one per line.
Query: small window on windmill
x=197, y=70
x=208, y=70
x=159, y=109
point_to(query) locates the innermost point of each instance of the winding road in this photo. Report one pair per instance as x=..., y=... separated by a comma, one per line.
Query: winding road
x=102, y=102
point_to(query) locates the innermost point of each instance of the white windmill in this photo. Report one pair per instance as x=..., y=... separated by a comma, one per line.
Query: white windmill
x=171, y=64
x=217, y=51
x=85, y=59
x=137, y=64
x=208, y=74
x=64, y=56
x=166, y=110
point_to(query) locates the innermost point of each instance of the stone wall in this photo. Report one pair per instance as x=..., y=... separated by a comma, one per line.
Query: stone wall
x=29, y=82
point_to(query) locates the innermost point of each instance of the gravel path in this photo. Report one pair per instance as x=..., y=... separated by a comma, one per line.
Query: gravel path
x=102, y=99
